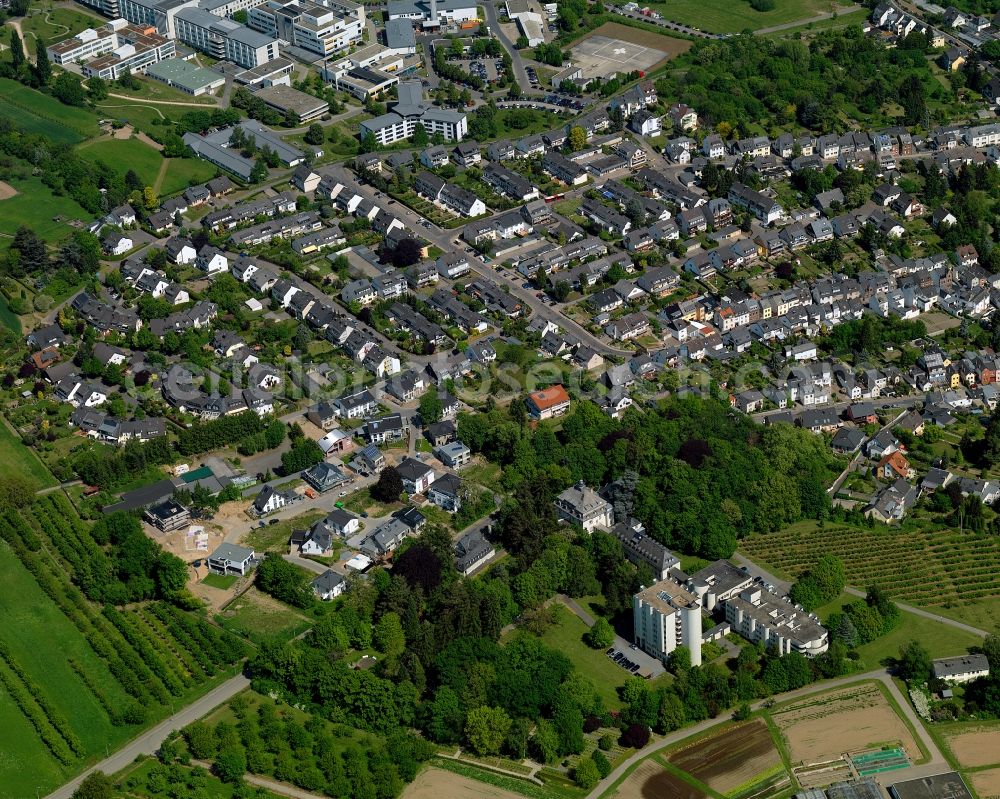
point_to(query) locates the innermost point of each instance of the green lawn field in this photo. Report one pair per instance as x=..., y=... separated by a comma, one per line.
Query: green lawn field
x=19, y=460
x=255, y=615
x=184, y=172
x=36, y=206
x=43, y=640
x=733, y=16
x=566, y=636
x=938, y=638
x=8, y=317
x=123, y=155
x=39, y=113
x=55, y=24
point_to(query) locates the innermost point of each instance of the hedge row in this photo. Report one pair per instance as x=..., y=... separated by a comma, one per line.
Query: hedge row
x=97, y=691
x=152, y=660
x=32, y=711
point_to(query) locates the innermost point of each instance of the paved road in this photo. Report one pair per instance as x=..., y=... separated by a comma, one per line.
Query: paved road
x=516, y=61
x=149, y=741
x=935, y=765
x=798, y=23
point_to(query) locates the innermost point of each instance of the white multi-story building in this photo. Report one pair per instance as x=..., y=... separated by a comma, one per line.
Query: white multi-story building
x=760, y=615
x=665, y=616
x=402, y=121
x=113, y=49
x=325, y=27
x=224, y=39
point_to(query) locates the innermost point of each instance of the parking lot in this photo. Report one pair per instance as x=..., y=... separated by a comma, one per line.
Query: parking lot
x=634, y=660
x=487, y=69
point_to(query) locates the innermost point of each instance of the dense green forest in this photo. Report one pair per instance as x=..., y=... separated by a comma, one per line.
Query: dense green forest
x=696, y=473
x=748, y=81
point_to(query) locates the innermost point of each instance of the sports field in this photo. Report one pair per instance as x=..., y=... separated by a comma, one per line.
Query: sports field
x=734, y=16
x=39, y=113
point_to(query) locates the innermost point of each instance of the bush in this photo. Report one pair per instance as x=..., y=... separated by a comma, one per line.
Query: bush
x=591, y=723
x=586, y=774
x=602, y=763
x=606, y=742
x=635, y=737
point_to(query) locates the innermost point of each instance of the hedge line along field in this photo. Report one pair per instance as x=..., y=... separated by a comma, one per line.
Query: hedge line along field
x=82, y=678
x=942, y=569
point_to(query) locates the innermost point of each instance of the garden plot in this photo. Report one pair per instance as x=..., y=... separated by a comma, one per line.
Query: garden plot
x=824, y=727
x=730, y=760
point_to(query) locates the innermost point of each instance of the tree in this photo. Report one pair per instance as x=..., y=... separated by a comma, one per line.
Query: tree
x=369, y=143
x=447, y=717
x=420, y=138
x=431, y=407
x=389, y=485
x=315, y=134
x=408, y=252
x=16, y=51
x=68, y=89
x=601, y=635
x=259, y=172
x=586, y=774
x=914, y=663
x=43, y=69
x=636, y=736
x=97, y=89
x=230, y=765
x=991, y=648
x=389, y=638
x=96, y=785
x=577, y=138
x=486, y=729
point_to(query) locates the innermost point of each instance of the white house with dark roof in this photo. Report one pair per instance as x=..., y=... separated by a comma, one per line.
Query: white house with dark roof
x=580, y=504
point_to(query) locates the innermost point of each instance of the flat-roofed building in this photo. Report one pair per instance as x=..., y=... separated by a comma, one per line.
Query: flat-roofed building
x=224, y=39
x=323, y=29
x=285, y=99
x=186, y=77
x=948, y=785
x=665, y=616
x=114, y=49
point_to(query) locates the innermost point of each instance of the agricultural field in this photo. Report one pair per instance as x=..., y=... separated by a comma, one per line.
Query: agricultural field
x=652, y=781
x=434, y=783
x=83, y=678
x=986, y=782
x=975, y=746
x=940, y=569
x=824, y=727
x=39, y=113
x=734, y=758
x=20, y=460
x=720, y=16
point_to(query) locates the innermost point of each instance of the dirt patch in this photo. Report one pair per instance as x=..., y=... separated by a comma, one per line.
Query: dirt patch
x=727, y=761
x=986, y=783
x=976, y=747
x=651, y=781
x=435, y=783
x=824, y=727
x=7, y=191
